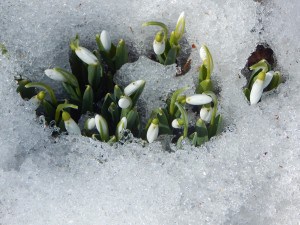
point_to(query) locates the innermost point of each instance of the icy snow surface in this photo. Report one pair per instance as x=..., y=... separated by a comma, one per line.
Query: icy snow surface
x=250, y=174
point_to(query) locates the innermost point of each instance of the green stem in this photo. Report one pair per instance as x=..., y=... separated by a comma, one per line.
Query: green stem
x=62, y=106
x=185, y=119
x=162, y=25
x=46, y=87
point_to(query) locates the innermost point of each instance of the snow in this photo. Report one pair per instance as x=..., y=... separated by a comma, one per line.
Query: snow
x=250, y=174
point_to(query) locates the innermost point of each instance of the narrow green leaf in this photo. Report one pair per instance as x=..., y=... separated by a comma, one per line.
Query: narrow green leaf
x=137, y=94
x=174, y=99
x=61, y=107
x=71, y=79
x=87, y=100
x=205, y=85
x=117, y=92
x=121, y=55
x=247, y=93
x=72, y=91
x=171, y=58
x=276, y=80
x=184, y=116
x=162, y=25
x=202, y=73
x=45, y=87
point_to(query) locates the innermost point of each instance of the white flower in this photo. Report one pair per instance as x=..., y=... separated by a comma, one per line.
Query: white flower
x=102, y=127
x=159, y=47
x=257, y=88
x=179, y=30
x=177, y=123
x=269, y=76
x=55, y=75
x=206, y=113
x=133, y=87
x=152, y=132
x=203, y=54
x=121, y=126
x=70, y=125
x=198, y=99
x=105, y=40
x=91, y=123
x=86, y=56
x=124, y=102
x=36, y=100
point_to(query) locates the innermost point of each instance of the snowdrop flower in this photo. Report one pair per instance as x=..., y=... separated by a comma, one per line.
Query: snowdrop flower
x=70, y=125
x=120, y=127
x=159, y=44
x=125, y=102
x=257, y=88
x=206, y=113
x=105, y=40
x=55, y=75
x=90, y=124
x=102, y=127
x=177, y=123
x=179, y=30
x=269, y=76
x=203, y=54
x=152, y=132
x=37, y=99
x=198, y=99
x=86, y=56
x=133, y=87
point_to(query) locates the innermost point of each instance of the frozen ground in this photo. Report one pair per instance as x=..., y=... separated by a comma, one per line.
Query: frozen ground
x=248, y=175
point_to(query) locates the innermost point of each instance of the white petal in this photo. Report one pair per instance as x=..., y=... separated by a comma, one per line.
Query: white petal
x=121, y=126
x=175, y=124
x=55, y=75
x=35, y=102
x=86, y=56
x=152, y=132
x=159, y=47
x=101, y=123
x=72, y=127
x=132, y=87
x=91, y=124
x=105, y=40
x=269, y=76
x=198, y=99
x=203, y=54
x=124, y=102
x=256, y=91
x=205, y=114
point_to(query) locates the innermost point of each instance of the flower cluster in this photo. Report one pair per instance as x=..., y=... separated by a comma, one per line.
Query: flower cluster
x=174, y=117
x=92, y=95
x=262, y=79
x=167, y=48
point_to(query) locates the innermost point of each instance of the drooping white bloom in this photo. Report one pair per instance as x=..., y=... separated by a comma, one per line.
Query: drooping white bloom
x=203, y=54
x=124, y=102
x=91, y=123
x=70, y=125
x=159, y=47
x=55, y=75
x=122, y=125
x=86, y=56
x=152, y=132
x=180, y=26
x=102, y=126
x=198, y=99
x=133, y=87
x=206, y=113
x=269, y=76
x=36, y=100
x=257, y=88
x=105, y=40
x=175, y=124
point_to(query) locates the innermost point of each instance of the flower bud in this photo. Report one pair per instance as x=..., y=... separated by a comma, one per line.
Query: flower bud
x=120, y=127
x=55, y=75
x=125, y=102
x=70, y=125
x=86, y=56
x=36, y=100
x=102, y=127
x=90, y=123
x=269, y=77
x=105, y=40
x=179, y=30
x=133, y=87
x=152, y=132
x=206, y=113
x=203, y=54
x=159, y=44
x=177, y=123
x=198, y=99
x=257, y=88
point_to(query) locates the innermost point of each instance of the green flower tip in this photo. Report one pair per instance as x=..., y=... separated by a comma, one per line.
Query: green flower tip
x=261, y=75
x=65, y=116
x=159, y=37
x=155, y=121
x=41, y=95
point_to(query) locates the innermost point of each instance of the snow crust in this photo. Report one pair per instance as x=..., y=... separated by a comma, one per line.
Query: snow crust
x=250, y=174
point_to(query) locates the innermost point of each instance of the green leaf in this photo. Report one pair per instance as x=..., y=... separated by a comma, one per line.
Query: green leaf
x=205, y=85
x=185, y=119
x=208, y=62
x=71, y=79
x=202, y=73
x=137, y=94
x=164, y=127
x=276, y=80
x=95, y=73
x=121, y=55
x=72, y=92
x=215, y=128
x=171, y=58
x=114, y=112
x=45, y=87
x=162, y=25
x=49, y=110
x=202, y=133
x=247, y=93
x=174, y=99
x=108, y=99
x=179, y=142
x=87, y=100
x=117, y=92
x=261, y=65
